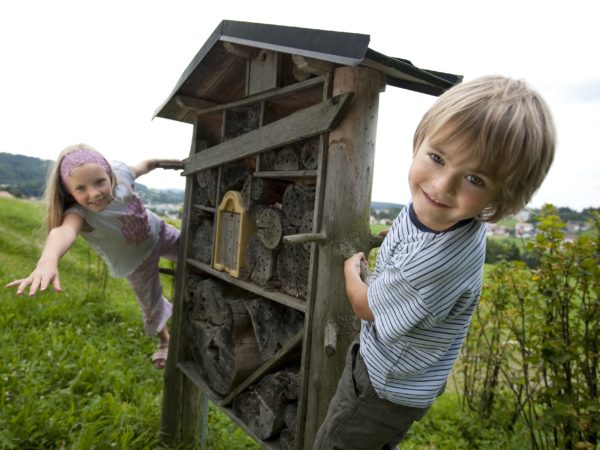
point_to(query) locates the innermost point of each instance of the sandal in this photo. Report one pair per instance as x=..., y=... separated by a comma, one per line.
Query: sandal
x=159, y=358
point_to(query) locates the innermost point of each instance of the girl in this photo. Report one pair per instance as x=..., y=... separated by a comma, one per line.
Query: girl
x=85, y=194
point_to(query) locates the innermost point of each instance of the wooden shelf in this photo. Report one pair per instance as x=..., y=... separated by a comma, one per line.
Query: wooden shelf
x=210, y=209
x=285, y=174
x=279, y=297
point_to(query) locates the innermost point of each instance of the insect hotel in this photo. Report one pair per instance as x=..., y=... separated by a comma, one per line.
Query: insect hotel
x=278, y=194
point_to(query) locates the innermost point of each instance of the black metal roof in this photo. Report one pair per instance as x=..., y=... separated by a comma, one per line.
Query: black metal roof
x=332, y=46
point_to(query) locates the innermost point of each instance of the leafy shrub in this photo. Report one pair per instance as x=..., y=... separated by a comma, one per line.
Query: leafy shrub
x=536, y=336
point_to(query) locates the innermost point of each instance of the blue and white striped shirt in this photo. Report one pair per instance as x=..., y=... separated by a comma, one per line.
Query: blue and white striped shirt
x=423, y=292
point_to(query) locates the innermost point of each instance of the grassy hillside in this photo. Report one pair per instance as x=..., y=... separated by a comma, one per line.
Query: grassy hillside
x=75, y=367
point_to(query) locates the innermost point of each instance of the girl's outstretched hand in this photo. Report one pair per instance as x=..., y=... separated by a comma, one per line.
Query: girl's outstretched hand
x=45, y=273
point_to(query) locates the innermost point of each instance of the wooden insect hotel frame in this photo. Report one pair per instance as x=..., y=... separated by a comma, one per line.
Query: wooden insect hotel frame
x=278, y=194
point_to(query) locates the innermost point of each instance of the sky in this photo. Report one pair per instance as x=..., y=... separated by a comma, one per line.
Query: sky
x=95, y=72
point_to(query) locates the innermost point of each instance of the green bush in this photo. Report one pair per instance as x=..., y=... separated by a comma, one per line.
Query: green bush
x=536, y=341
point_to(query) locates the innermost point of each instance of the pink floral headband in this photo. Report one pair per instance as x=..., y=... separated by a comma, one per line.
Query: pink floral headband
x=79, y=158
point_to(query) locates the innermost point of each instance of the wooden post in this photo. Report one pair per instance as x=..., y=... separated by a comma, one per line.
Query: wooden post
x=346, y=206
x=185, y=407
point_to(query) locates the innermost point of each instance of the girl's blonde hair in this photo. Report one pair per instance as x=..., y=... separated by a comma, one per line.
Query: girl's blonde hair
x=508, y=127
x=57, y=197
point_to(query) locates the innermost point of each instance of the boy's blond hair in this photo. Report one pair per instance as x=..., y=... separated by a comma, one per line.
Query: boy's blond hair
x=508, y=127
x=56, y=196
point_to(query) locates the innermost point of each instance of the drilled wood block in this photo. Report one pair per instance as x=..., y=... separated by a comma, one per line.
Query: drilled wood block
x=203, y=239
x=207, y=187
x=274, y=324
x=287, y=159
x=269, y=224
x=297, y=201
x=260, y=263
x=309, y=153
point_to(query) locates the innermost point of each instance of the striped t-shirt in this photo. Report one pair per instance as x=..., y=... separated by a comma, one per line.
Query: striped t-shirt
x=423, y=292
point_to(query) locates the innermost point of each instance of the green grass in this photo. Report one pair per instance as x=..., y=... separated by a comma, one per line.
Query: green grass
x=75, y=369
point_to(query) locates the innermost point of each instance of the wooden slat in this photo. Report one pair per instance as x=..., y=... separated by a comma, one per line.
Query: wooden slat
x=276, y=296
x=302, y=124
x=271, y=95
x=285, y=174
x=205, y=208
x=194, y=373
x=185, y=101
x=184, y=408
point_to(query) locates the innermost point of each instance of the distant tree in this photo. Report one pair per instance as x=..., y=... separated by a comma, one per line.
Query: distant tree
x=498, y=249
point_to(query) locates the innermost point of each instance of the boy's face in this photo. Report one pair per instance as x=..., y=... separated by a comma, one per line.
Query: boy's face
x=447, y=185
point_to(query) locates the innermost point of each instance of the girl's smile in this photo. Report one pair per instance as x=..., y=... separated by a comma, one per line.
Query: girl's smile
x=89, y=184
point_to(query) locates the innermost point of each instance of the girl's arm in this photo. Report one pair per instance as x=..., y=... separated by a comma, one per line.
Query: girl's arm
x=60, y=240
x=148, y=165
x=356, y=289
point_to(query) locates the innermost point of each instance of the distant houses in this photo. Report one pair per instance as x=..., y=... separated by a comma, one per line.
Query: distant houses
x=519, y=225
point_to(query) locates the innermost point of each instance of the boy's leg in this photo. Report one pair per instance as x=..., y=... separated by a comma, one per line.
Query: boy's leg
x=357, y=418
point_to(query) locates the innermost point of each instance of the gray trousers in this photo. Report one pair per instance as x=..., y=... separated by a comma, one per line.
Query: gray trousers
x=357, y=419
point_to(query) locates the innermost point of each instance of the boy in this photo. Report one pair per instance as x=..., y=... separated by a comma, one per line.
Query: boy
x=479, y=154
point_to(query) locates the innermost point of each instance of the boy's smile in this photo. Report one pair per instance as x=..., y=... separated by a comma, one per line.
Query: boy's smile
x=447, y=185
x=90, y=186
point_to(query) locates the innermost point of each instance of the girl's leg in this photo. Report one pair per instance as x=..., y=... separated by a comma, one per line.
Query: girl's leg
x=155, y=308
x=163, y=335
x=145, y=282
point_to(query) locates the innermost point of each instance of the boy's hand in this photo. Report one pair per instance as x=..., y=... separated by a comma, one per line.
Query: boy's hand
x=352, y=264
x=43, y=275
x=356, y=289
